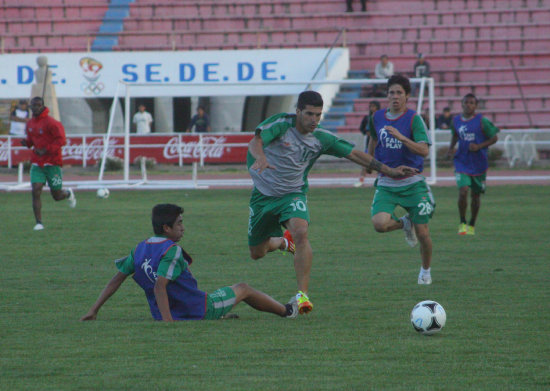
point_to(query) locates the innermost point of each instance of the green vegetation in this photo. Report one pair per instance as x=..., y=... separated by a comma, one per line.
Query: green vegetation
x=495, y=288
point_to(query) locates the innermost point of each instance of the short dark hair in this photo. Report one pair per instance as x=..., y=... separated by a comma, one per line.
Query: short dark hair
x=311, y=98
x=164, y=214
x=376, y=103
x=469, y=95
x=403, y=81
x=446, y=109
x=37, y=98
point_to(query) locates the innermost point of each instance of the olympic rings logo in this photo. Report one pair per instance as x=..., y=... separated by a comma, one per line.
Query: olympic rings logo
x=92, y=88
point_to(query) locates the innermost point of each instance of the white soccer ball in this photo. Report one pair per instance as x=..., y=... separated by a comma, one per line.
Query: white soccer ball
x=103, y=192
x=428, y=317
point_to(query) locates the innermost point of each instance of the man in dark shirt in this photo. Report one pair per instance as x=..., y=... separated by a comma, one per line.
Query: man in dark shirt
x=200, y=121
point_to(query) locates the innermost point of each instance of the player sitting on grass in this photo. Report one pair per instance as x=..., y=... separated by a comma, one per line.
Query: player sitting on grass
x=161, y=268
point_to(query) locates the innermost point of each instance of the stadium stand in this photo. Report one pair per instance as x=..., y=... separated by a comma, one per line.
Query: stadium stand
x=53, y=26
x=468, y=43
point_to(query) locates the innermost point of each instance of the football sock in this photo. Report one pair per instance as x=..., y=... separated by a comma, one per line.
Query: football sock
x=462, y=221
x=425, y=271
x=288, y=309
x=471, y=223
x=286, y=244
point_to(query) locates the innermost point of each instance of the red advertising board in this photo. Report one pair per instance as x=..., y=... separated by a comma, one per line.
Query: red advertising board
x=164, y=148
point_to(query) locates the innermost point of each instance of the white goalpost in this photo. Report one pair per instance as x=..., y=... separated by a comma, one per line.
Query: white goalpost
x=327, y=88
x=521, y=146
x=523, y=149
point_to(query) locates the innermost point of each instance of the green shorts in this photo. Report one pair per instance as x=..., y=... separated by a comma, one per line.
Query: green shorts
x=416, y=199
x=219, y=303
x=474, y=182
x=268, y=213
x=50, y=174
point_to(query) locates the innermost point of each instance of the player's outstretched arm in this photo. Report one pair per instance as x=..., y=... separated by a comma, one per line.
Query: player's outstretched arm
x=370, y=150
x=111, y=287
x=368, y=161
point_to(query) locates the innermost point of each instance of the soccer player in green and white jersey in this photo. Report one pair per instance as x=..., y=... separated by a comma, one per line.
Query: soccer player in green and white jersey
x=280, y=156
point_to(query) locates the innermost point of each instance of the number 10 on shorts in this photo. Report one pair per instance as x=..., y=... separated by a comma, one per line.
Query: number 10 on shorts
x=298, y=205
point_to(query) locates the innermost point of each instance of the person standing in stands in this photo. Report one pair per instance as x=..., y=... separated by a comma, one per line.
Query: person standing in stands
x=383, y=70
x=444, y=120
x=421, y=69
x=143, y=120
x=374, y=106
x=200, y=122
x=19, y=117
x=349, y=7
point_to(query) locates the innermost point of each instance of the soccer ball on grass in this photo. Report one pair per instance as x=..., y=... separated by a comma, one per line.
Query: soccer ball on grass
x=103, y=192
x=428, y=317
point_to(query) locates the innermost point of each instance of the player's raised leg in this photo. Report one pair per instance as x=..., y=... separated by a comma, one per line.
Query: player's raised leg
x=54, y=176
x=384, y=222
x=271, y=244
x=64, y=194
x=264, y=228
x=410, y=232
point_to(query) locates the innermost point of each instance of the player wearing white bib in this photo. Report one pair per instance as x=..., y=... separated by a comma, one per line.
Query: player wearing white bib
x=280, y=156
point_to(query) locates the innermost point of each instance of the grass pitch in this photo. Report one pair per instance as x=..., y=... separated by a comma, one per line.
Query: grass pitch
x=495, y=288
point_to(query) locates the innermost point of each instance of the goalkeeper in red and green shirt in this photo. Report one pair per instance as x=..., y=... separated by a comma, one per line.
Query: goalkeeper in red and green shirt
x=474, y=134
x=45, y=136
x=161, y=268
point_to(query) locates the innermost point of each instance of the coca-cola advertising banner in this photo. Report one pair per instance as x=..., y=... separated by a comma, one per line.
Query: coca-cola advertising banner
x=164, y=148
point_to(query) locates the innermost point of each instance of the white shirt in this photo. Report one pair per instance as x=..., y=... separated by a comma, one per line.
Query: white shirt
x=143, y=122
x=18, y=128
x=383, y=72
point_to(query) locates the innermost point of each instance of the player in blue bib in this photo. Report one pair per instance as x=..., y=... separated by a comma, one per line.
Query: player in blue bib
x=161, y=268
x=399, y=137
x=474, y=134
